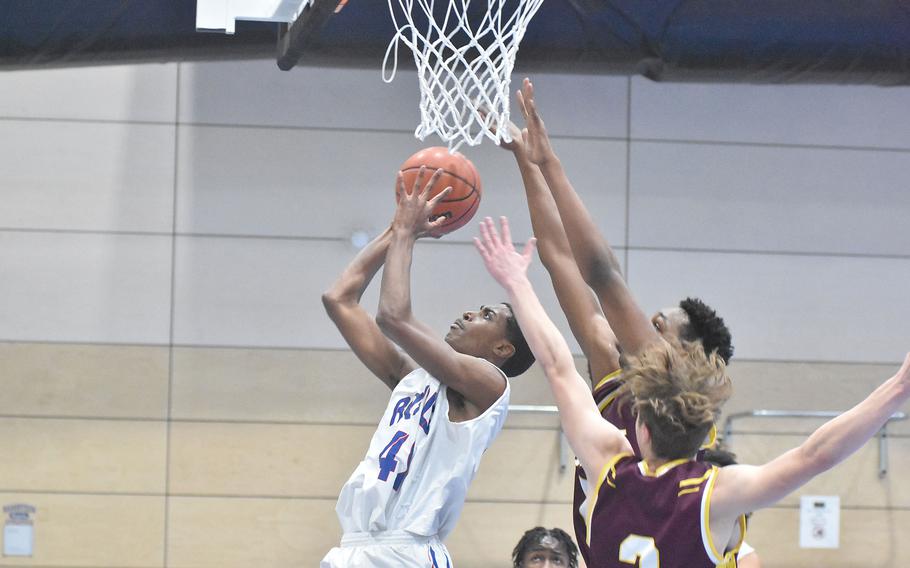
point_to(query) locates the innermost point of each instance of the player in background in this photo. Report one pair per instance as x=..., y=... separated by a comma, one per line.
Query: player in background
x=545, y=548
x=664, y=508
x=449, y=400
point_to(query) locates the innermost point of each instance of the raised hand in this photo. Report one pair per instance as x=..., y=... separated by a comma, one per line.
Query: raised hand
x=415, y=206
x=503, y=262
x=535, y=138
x=515, y=133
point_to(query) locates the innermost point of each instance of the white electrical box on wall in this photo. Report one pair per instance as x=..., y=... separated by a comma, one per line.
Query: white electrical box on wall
x=819, y=521
x=18, y=540
x=18, y=530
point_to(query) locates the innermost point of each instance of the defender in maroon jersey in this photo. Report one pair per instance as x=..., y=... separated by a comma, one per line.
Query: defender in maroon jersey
x=559, y=247
x=665, y=509
x=637, y=513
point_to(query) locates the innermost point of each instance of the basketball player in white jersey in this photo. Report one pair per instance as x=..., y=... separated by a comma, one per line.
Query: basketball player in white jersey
x=449, y=400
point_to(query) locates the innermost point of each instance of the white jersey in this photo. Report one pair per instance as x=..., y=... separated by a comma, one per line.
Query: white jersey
x=416, y=473
x=744, y=550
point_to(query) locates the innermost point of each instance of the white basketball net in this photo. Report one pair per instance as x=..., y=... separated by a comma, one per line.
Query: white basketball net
x=462, y=68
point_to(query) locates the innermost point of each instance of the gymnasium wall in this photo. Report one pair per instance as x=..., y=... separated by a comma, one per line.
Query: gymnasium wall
x=173, y=394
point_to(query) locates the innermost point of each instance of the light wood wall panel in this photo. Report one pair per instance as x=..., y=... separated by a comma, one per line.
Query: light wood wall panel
x=311, y=386
x=796, y=386
x=316, y=460
x=263, y=532
x=487, y=532
x=856, y=480
x=97, y=531
x=83, y=455
x=874, y=538
x=264, y=459
x=239, y=533
x=123, y=381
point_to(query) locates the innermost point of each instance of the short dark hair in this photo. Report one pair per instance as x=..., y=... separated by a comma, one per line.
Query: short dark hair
x=708, y=328
x=719, y=457
x=537, y=534
x=522, y=358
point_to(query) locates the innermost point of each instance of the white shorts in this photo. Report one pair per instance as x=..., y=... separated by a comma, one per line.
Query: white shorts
x=392, y=549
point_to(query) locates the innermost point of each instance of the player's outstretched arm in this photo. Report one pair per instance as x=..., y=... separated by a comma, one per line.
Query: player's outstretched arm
x=593, y=255
x=475, y=380
x=742, y=488
x=583, y=312
x=594, y=440
x=359, y=329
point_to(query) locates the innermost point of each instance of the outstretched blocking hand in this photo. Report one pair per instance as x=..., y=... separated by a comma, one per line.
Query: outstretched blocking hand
x=516, y=134
x=415, y=206
x=503, y=262
x=536, y=139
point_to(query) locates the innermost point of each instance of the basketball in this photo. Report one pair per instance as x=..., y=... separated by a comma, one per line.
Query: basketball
x=462, y=202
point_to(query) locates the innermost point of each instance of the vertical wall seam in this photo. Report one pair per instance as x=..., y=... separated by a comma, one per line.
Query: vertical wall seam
x=170, y=364
x=628, y=173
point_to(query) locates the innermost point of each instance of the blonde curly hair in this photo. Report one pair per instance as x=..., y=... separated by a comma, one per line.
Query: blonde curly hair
x=677, y=392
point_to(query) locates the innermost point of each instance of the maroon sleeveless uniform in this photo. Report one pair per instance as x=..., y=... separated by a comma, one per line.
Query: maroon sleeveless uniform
x=650, y=519
x=620, y=416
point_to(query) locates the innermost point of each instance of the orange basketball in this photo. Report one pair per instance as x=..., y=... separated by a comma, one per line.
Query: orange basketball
x=462, y=202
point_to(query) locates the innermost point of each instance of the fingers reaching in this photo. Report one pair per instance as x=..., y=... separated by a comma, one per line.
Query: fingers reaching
x=426, y=190
x=418, y=181
x=439, y=196
x=486, y=238
x=528, y=251
x=521, y=105
x=482, y=249
x=494, y=233
x=502, y=261
x=506, y=232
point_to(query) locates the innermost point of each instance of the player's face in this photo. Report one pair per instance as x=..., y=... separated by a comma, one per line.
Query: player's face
x=549, y=553
x=670, y=322
x=477, y=331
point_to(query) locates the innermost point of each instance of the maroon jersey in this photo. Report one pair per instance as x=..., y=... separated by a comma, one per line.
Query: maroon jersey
x=654, y=518
x=621, y=416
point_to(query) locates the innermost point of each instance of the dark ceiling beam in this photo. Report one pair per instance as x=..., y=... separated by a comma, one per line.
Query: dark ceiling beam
x=293, y=40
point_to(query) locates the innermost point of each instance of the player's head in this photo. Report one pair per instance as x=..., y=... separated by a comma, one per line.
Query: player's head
x=693, y=320
x=550, y=548
x=492, y=333
x=676, y=391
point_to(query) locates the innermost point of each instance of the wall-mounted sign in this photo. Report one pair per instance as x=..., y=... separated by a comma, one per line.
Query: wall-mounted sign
x=819, y=521
x=18, y=531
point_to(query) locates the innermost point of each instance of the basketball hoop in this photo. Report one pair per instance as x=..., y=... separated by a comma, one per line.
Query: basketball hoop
x=464, y=67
